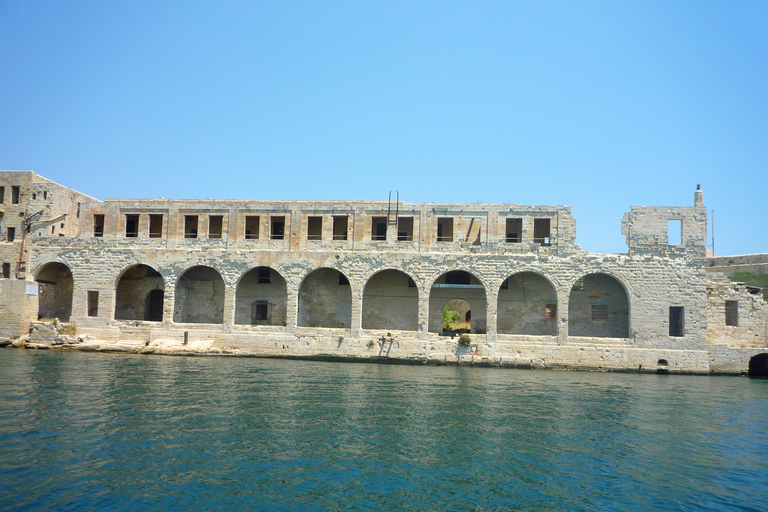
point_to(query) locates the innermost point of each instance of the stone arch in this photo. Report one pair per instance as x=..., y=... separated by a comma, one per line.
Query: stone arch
x=139, y=294
x=758, y=366
x=325, y=299
x=261, y=298
x=598, y=307
x=390, y=301
x=527, y=304
x=56, y=287
x=199, y=296
x=458, y=284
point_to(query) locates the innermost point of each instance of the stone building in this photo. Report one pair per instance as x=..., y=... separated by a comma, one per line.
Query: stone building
x=367, y=280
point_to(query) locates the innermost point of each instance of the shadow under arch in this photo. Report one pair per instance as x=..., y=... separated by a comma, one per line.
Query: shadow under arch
x=56, y=287
x=458, y=284
x=261, y=298
x=325, y=299
x=390, y=301
x=527, y=304
x=199, y=296
x=758, y=366
x=139, y=294
x=598, y=307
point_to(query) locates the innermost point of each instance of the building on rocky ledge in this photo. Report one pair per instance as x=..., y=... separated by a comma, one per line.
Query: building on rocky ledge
x=343, y=279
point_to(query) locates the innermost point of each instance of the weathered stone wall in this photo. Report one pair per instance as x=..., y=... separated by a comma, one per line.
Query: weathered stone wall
x=750, y=315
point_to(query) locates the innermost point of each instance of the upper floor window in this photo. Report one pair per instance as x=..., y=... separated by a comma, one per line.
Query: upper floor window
x=252, y=227
x=445, y=229
x=98, y=225
x=732, y=313
x=2, y=195
x=277, y=231
x=15, y=192
x=131, y=226
x=514, y=233
x=156, y=225
x=190, y=226
x=541, y=231
x=340, y=225
x=378, y=228
x=314, y=228
x=405, y=229
x=215, y=226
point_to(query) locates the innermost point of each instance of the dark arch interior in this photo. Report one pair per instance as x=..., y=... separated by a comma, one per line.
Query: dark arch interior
x=56, y=288
x=140, y=294
x=758, y=366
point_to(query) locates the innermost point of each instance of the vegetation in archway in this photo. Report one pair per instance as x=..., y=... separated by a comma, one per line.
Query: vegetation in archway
x=455, y=316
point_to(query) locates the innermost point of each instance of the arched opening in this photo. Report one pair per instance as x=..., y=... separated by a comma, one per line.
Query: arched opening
x=261, y=298
x=457, y=316
x=56, y=287
x=527, y=305
x=134, y=295
x=463, y=286
x=199, y=297
x=390, y=301
x=598, y=307
x=325, y=299
x=758, y=366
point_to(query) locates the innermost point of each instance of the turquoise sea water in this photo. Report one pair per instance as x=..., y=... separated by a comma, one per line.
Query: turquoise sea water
x=122, y=432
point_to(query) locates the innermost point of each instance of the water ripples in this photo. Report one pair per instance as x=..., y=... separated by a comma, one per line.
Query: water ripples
x=119, y=432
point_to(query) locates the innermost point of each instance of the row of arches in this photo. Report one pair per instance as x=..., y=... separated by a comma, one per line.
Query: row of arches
x=526, y=303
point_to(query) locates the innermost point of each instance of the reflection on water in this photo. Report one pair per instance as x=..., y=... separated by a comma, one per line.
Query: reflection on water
x=119, y=432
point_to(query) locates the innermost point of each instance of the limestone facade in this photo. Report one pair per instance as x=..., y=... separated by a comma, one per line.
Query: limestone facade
x=369, y=280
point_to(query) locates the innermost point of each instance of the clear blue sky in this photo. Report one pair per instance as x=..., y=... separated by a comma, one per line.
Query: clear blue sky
x=597, y=105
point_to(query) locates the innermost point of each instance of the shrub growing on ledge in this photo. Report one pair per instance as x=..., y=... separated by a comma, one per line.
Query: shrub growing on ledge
x=464, y=340
x=69, y=330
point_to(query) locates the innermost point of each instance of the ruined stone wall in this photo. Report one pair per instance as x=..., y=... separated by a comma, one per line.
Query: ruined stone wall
x=748, y=319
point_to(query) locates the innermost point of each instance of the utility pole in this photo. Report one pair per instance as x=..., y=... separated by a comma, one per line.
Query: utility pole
x=713, y=232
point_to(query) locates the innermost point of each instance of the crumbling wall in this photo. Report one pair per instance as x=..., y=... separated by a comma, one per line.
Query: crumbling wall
x=748, y=319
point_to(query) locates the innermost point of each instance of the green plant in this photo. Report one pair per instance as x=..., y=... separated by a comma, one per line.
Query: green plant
x=465, y=340
x=449, y=317
x=341, y=339
x=69, y=330
x=750, y=279
x=371, y=343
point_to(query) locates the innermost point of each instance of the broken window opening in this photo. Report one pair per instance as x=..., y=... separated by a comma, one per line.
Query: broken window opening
x=277, y=231
x=343, y=281
x=98, y=225
x=578, y=286
x=599, y=312
x=676, y=320
x=314, y=228
x=379, y=229
x=732, y=313
x=45, y=194
x=340, y=224
x=6, y=270
x=252, y=227
x=675, y=232
x=11, y=234
x=445, y=229
x=457, y=277
x=260, y=311
x=264, y=276
x=405, y=229
x=53, y=229
x=2, y=195
x=131, y=226
x=215, y=226
x=93, y=303
x=514, y=231
x=34, y=195
x=15, y=193
x=541, y=231
x=551, y=311
x=155, y=226
x=190, y=226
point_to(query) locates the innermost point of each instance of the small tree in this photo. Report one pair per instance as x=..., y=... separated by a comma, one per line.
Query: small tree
x=449, y=317
x=465, y=340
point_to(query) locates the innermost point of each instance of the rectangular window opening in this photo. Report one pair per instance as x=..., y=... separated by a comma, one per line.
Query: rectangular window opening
x=551, y=311
x=277, y=231
x=98, y=225
x=314, y=228
x=15, y=193
x=260, y=311
x=378, y=228
x=190, y=226
x=445, y=229
x=11, y=234
x=675, y=232
x=2, y=195
x=541, y=231
x=215, y=226
x=252, y=227
x=599, y=312
x=6, y=270
x=131, y=226
x=732, y=313
x=340, y=224
x=405, y=229
x=514, y=231
x=93, y=303
x=264, y=276
x=676, y=321
x=155, y=226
